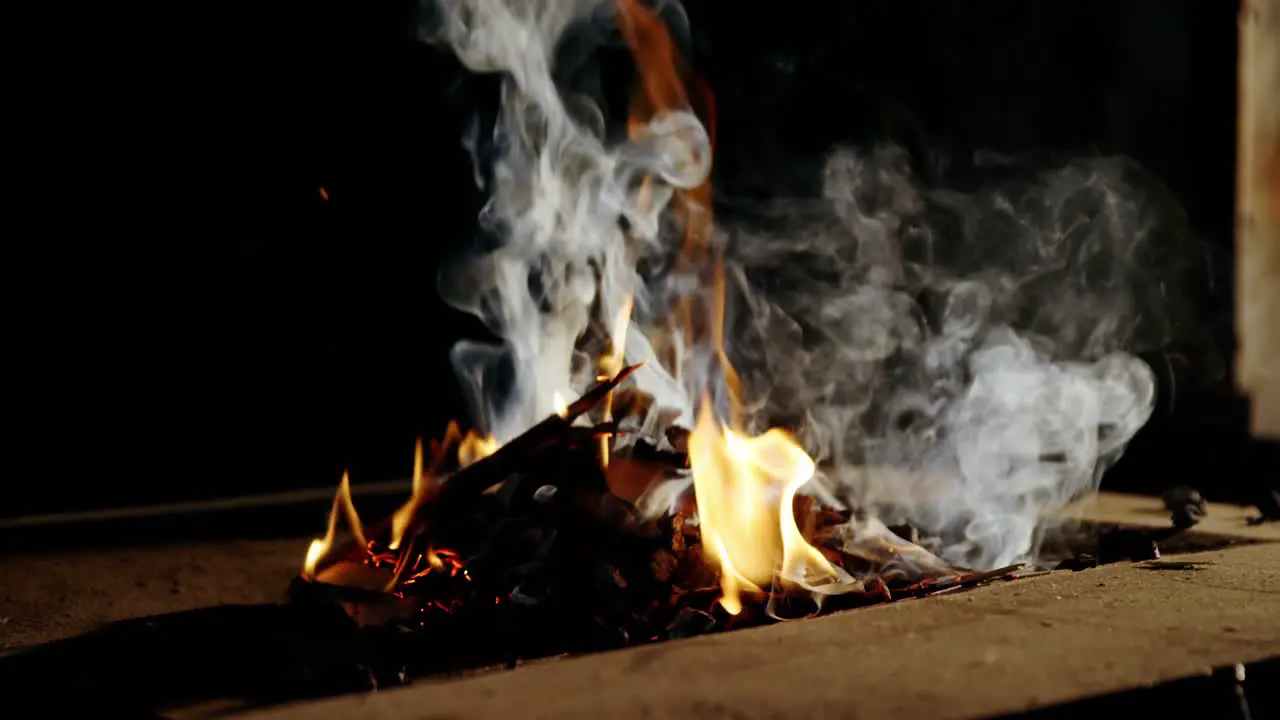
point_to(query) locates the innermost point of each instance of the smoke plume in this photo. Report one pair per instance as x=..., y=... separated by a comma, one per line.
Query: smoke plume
x=959, y=360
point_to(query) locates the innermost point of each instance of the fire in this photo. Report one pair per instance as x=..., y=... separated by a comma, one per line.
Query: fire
x=320, y=547
x=559, y=402
x=744, y=486
x=475, y=447
x=611, y=364
x=472, y=447
x=745, y=489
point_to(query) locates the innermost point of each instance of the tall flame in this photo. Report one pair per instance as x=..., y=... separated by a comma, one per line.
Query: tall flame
x=472, y=447
x=745, y=486
x=320, y=547
x=611, y=363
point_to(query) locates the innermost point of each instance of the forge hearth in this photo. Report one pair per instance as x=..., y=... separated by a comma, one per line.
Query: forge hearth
x=1000, y=648
x=532, y=539
x=1004, y=648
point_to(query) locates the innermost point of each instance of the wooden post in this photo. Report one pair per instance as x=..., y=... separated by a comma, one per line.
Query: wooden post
x=1258, y=215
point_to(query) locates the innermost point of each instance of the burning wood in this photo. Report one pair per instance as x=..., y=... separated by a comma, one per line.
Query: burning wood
x=540, y=535
x=563, y=564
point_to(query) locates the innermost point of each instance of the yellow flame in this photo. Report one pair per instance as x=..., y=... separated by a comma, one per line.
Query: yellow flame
x=471, y=448
x=611, y=364
x=403, y=517
x=475, y=447
x=613, y=359
x=559, y=403
x=320, y=547
x=745, y=486
x=745, y=489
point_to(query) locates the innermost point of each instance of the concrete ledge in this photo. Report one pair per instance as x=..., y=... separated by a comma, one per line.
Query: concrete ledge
x=50, y=597
x=1145, y=511
x=1000, y=649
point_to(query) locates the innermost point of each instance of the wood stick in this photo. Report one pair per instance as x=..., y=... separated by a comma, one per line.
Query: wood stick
x=473, y=480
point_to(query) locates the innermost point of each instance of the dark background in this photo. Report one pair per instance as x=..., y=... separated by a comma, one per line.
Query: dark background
x=198, y=322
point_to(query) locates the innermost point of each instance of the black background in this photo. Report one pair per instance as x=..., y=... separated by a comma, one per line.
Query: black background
x=193, y=319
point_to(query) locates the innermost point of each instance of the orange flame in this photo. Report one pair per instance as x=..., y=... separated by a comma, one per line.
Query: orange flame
x=403, y=517
x=475, y=447
x=745, y=486
x=471, y=448
x=611, y=364
x=320, y=547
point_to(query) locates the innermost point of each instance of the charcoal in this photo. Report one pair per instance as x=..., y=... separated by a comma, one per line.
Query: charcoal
x=1186, y=504
x=616, y=513
x=690, y=622
x=656, y=530
x=529, y=595
x=607, y=635
x=693, y=572
x=662, y=565
x=544, y=494
x=555, y=435
x=609, y=581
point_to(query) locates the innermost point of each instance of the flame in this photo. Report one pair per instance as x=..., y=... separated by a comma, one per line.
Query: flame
x=403, y=517
x=475, y=447
x=320, y=547
x=471, y=447
x=745, y=489
x=745, y=486
x=611, y=364
x=559, y=402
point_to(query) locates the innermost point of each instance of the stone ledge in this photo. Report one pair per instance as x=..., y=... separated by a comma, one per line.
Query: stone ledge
x=999, y=649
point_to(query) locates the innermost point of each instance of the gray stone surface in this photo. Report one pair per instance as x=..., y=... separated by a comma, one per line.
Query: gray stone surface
x=1002, y=648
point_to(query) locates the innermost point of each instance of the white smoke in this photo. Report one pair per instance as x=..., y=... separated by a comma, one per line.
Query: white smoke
x=975, y=341
x=558, y=195
x=956, y=360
